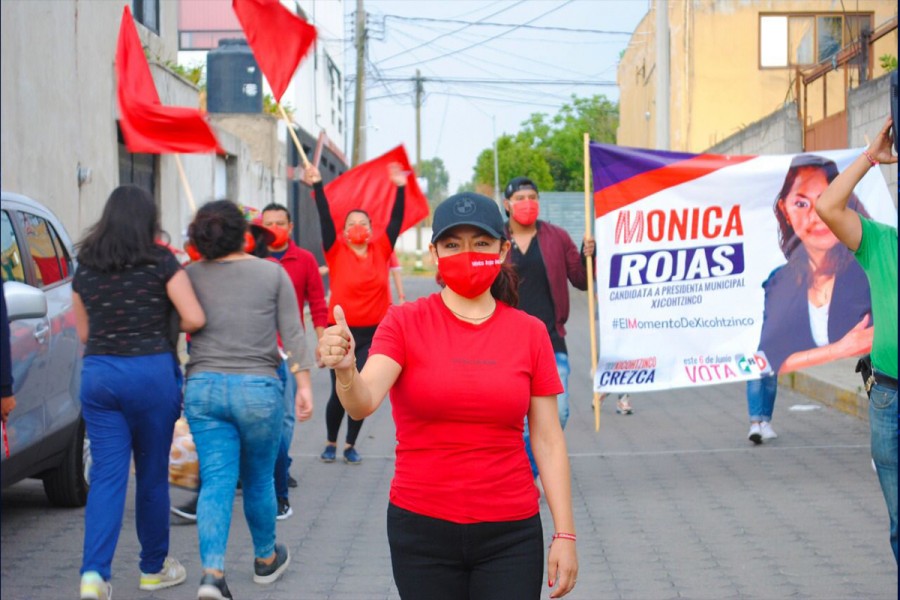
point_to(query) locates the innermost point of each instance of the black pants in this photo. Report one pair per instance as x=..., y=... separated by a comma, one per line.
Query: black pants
x=435, y=559
x=334, y=412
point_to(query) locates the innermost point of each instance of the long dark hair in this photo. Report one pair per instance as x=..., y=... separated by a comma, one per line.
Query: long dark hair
x=218, y=229
x=792, y=247
x=126, y=234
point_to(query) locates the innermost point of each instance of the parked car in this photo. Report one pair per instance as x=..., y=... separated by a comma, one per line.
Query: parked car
x=45, y=432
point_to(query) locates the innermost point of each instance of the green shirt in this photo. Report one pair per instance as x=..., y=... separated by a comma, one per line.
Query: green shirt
x=877, y=254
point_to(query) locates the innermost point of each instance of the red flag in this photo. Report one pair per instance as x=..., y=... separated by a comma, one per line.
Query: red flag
x=368, y=186
x=147, y=125
x=279, y=39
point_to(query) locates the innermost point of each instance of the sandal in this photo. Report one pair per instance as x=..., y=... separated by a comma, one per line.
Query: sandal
x=623, y=406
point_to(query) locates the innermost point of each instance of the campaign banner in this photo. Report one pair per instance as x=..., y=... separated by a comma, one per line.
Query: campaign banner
x=716, y=269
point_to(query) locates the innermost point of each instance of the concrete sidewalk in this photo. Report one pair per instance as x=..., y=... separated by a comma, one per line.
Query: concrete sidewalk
x=834, y=384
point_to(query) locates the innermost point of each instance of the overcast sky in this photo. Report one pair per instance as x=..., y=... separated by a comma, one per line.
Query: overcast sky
x=458, y=117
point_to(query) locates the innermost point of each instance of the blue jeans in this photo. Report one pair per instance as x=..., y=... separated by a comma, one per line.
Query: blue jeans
x=236, y=421
x=130, y=404
x=883, y=423
x=761, y=397
x=562, y=406
x=283, y=460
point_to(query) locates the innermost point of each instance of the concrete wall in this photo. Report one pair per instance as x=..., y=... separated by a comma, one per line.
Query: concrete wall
x=717, y=86
x=869, y=107
x=59, y=113
x=780, y=132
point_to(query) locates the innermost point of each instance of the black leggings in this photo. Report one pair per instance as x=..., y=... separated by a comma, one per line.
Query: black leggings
x=334, y=412
x=434, y=559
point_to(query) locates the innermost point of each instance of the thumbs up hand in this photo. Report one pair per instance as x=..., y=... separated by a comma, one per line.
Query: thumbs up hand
x=336, y=347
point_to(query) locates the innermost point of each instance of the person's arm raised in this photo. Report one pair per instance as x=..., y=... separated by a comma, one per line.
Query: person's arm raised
x=398, y=178
x=313, y=178
x=832, y=204
x=360, y=393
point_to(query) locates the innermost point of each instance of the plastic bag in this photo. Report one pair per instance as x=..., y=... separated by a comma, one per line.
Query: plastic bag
x=184, y=467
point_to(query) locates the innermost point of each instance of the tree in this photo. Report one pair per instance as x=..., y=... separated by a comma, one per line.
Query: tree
x=434, y=171
x=550, y=151
x=516, y=157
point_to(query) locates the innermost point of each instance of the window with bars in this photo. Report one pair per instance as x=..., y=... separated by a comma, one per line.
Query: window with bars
x=804, y=39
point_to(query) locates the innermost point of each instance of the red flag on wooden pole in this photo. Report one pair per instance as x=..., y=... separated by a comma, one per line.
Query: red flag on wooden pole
x=147, y=125
x=279, y=39
x=368, y=186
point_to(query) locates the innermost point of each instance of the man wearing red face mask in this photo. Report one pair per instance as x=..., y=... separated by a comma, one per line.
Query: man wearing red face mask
x=546, y=259
x=358, y=262
x=303, y=271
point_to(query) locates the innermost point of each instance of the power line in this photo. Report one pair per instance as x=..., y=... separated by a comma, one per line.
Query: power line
x=475, y=80
x=488, y=24
x=502, y=33
x=467, y=25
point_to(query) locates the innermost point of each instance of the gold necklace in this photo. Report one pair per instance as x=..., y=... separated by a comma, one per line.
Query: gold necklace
x=487, y=316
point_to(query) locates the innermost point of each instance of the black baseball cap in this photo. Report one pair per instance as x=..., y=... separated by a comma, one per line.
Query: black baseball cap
x=519, y=183
x=467, y=208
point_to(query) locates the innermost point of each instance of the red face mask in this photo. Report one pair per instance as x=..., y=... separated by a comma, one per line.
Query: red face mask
x=192, y=252
x=525, y=212
x=358, y=234
x=469, y=274
x=281, y=236
x=249, y=242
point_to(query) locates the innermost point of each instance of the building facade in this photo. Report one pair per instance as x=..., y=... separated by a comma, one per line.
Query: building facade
x=732, y=63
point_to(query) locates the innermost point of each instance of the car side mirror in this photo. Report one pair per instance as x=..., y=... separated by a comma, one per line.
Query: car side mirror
x=24, y=301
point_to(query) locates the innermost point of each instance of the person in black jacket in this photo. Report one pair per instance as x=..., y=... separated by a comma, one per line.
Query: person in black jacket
x=8, y=402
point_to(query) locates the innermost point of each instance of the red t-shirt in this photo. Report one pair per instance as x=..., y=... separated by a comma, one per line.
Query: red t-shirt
x=459, y=406
x=359, y=283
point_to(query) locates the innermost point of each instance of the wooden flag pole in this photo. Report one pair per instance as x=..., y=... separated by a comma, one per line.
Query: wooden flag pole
x=185, y=185
x=290, y=128
x=588, y=214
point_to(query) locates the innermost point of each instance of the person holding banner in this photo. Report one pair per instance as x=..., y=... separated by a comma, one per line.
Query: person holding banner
x=234, y=398
x=875, y=247
x=817, y=306
x=463, y=519
x=358, y=262
x=125, y=293
x=546, y=260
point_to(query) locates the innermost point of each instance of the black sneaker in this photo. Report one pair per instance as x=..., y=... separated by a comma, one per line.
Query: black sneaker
x=265, y=574
x=284, y=509
x=186, y=511
x=292, y=483
x=213, y=588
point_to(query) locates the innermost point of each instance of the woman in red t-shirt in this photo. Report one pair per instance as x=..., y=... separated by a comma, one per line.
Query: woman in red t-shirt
x=357, y=263
x=464, y=368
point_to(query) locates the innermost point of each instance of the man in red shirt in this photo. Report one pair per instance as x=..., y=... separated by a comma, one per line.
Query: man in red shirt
x=303, y=270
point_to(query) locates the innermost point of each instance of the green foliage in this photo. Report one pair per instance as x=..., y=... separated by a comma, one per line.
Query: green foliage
x=516, y=157
x=271, y=107
x=438, y=178
x=468, y=186
x=550, y=151
x=192, y=74
x=888, y=62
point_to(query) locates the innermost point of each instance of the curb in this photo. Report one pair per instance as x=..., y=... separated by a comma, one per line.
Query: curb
x=831, y=385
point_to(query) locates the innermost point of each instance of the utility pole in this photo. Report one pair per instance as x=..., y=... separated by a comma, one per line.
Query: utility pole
x=359, y=108
x=662, y=74
x=496, y=162
x=419, y=264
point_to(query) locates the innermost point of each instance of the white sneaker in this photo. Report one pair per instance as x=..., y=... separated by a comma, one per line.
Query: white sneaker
x=755, y=434
x=172, y=573
x=93, y=587
x=765, y=428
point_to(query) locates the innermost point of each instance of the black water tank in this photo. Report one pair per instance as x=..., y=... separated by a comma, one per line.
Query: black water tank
x=233, y=79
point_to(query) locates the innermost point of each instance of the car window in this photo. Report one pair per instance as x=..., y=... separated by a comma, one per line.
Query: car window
x=49, y=266
x=11, y=258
